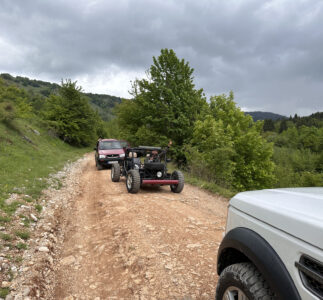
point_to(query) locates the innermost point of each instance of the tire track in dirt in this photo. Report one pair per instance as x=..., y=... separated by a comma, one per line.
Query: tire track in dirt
x=151, y=245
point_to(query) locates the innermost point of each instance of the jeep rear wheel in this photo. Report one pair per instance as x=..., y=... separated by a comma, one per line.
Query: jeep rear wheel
x=133, y=181
x=177, y=188
x=115, y=173
x=242, y=281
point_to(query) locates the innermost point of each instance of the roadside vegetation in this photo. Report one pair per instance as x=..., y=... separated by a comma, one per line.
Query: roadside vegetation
x=37, y=140
x=298, y=150
x=218, y=146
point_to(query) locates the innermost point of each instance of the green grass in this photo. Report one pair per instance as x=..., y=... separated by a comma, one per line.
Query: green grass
x=21, y=246
x=25, y=166
x=6, y=237
x=38, y=207
x=203, y=184
x=25, y=235
x=4, y=219
x=4, y=292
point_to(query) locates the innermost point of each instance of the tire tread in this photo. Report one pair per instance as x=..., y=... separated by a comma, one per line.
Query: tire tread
x=116, y=173
x=249, y=277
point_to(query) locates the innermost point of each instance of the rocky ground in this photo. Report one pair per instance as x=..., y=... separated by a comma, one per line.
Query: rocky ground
x=93, y=240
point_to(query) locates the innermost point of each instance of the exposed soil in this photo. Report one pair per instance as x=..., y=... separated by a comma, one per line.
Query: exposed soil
x=116, y=245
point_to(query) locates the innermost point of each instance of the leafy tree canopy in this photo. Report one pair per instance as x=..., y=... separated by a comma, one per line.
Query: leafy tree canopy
x=165, y=105
x=230, y=145
x=71, y=116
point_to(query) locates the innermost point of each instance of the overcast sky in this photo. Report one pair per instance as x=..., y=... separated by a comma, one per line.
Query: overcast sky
x=270, y=53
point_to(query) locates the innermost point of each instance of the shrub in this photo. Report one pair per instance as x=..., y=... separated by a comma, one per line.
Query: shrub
x=229, y=146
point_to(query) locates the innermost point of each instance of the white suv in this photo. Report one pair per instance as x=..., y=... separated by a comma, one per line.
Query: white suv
x=273, y=247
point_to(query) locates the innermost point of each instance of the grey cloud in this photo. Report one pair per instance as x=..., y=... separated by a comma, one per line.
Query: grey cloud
x=267, y=52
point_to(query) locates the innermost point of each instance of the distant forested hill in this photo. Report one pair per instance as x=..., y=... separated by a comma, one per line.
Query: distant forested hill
x=261, y=115
x=40, y=89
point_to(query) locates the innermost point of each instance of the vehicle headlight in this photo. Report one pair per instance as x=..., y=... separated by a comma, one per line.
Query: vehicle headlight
x=101, y=156
x=159, y=174
x=121, y=155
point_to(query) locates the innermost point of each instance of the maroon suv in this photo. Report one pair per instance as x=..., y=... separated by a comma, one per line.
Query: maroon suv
x=108, y=152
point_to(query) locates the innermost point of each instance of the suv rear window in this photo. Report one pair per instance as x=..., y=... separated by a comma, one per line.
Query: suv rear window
x=107, y=145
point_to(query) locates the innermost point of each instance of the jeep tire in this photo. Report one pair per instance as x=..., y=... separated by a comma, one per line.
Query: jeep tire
x=242, y=281
x=115, y=173
x=177, y=188
x=133, y=181
x=98, y=166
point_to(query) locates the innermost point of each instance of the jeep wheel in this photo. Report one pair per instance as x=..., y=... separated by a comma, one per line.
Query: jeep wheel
x=115, y=173
x=177, y=188
x=98, y=166
x=242, y=281
x=133, y=181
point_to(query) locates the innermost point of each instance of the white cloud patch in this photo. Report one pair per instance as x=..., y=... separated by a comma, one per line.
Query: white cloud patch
x=112, y=81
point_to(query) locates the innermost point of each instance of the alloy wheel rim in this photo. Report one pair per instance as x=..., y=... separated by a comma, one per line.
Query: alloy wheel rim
x=234, y=293
x=129, y=181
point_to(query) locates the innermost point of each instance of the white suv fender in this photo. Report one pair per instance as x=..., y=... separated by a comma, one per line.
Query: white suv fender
x=244, y=245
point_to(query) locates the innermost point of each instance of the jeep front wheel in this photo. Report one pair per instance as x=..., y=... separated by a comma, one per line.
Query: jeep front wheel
x=177, y=188
x=242, y=281
x=115, y=173
x=133, y=181
x=98, y=166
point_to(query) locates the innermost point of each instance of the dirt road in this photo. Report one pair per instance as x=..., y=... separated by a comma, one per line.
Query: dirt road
x=151, y=245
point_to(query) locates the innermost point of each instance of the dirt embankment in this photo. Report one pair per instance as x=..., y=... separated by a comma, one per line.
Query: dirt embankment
x=104, y=243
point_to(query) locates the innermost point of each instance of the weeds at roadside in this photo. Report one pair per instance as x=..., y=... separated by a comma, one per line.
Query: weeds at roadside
x=18, y=259
x=6, y=237
x=25, y=220
x=23, y=235
x=38, y=207
x=203, y=184
x=8, y=245
x=4, y=219
x=9, y=208
x=10, y=274
x=4, y=292
x=21, y=246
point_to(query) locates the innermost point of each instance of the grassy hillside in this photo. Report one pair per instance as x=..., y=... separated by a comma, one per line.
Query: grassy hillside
x=38, y=89
x=28, y=154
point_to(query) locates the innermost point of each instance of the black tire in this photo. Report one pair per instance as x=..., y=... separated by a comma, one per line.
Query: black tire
x=133, y=181
x=98, y=166
x=177, y=188
x=115, y=173
x=242, y=279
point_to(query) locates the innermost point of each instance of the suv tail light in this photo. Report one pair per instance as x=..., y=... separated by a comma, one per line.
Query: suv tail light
x=311, y=272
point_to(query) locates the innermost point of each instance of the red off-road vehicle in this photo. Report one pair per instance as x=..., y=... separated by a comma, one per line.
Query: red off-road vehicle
x=109, y=152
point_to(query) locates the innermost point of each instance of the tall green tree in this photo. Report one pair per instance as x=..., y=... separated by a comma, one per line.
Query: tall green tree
x=165, y=105
x=72, y=117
